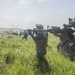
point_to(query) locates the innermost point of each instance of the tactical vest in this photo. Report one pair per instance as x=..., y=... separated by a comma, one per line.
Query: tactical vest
x=41, y=35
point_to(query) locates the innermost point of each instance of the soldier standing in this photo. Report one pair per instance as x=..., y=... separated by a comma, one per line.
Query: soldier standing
x=25, y=34
x=40, y=36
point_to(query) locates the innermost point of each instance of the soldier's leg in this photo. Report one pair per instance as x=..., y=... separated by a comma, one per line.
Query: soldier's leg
x=41, y=51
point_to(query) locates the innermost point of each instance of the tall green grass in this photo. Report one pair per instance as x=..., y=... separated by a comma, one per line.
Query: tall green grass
x=18, y=57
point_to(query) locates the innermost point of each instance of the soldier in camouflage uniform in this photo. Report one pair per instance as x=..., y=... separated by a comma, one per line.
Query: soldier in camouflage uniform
x=25, y=34
x=69, y=44
x=40, y=36
x=21, y=33
x=67, y=40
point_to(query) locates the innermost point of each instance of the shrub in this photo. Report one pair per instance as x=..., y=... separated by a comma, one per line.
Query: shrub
x=9, y=58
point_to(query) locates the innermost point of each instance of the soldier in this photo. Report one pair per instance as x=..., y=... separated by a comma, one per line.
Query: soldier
x=40, y=37
x=25, y=34
x=66, y=36
x=69, y=46
x=20, y=33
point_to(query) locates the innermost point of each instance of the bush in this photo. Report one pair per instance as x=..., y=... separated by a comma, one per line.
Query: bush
x=9, y=58
x=9, y=36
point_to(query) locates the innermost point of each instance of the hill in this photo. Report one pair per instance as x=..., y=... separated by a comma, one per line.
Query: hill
x=18, y=57
x=6, y=31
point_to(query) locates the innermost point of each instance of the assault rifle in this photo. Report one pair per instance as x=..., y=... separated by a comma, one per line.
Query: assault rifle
x=35, y=31
x=54, y=30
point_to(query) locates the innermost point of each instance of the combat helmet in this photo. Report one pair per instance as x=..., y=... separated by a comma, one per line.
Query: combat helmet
x=39, y=26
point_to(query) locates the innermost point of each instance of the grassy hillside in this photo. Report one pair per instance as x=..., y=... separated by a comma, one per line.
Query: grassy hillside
x=18, y=57
x=7, y=31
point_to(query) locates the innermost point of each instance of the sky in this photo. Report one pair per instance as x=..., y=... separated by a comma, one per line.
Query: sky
x=27, y=13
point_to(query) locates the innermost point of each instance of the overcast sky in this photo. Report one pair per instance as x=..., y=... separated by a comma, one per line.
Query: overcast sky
x=27, y=13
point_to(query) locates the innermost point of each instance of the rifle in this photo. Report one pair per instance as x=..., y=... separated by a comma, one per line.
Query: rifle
x=54, y=30
x=66, y=31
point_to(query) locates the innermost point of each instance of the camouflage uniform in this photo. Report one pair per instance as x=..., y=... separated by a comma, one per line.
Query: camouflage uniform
x=41, y=44
x=25, y=35
x=40, y=40
x=67, y=42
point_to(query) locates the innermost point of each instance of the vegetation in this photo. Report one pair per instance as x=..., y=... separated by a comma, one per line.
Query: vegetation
x=18, y=57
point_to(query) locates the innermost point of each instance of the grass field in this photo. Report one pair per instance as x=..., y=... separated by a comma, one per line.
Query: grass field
x=18, y=57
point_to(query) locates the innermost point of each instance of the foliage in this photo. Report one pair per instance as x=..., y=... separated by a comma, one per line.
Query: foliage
x=18, y=57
